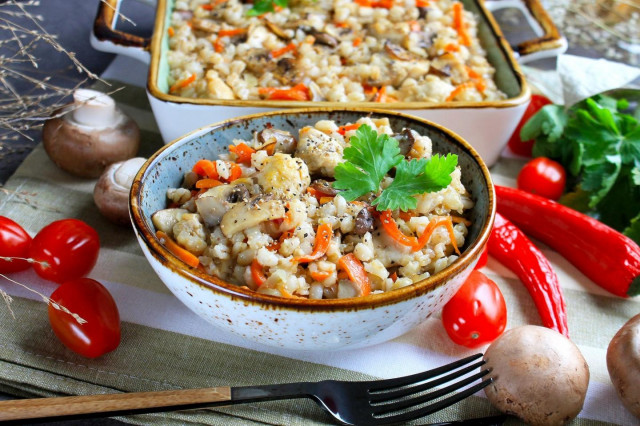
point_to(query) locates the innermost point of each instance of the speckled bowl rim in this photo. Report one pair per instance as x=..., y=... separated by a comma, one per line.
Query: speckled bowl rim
x=248, y=296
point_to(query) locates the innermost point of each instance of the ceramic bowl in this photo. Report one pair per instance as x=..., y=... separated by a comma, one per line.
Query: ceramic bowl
x=300, y=323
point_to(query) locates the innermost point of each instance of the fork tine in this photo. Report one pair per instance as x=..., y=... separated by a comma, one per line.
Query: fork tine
x=432, y=408
x=406, y=391
x=412, y=402
x=381, y=385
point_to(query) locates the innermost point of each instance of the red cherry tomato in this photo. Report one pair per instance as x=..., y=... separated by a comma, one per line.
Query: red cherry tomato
x=484, y=257
x=14, y=242
x=93, y=303
x=477, y=313
x=516, y=145
x=543, y=177
x=65, y=250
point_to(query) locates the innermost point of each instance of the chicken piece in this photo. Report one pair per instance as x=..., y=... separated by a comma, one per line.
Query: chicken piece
x=284, y=176
x=217, y=87
x=190, y=234
x=321, y=152
x=165, y=219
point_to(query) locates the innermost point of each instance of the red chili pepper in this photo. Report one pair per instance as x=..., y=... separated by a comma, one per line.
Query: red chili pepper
x=607, y=257
x=515, y=251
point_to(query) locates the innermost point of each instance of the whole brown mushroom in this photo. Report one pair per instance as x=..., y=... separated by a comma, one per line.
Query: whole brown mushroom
x=623, y=363
x=111, y=193
x=85, y=137
x=539, y=375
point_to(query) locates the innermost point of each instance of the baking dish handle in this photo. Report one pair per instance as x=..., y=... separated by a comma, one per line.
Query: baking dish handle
x=106, y=38
x=549, y=42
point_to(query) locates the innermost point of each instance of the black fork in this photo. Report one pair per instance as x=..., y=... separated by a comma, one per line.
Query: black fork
x=375, y=402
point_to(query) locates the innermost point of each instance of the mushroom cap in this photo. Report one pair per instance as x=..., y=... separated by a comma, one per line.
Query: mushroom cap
x=539, y=375
x=623, y=363
x=111, y=193
x=86, y=151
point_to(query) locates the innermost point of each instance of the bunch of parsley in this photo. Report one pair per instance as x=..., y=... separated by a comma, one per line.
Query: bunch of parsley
x=371, y=156
x=599, y=145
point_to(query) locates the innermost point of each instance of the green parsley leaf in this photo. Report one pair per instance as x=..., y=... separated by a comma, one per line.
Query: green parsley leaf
x=368, y=160
x=260, y=7
x=416, y=177
x=370, y=157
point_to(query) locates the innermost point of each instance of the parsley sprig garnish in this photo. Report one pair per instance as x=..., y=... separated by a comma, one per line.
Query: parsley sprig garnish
x=260, y=7
x=371, y=156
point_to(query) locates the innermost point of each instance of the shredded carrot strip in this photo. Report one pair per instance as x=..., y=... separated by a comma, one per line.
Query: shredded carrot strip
x=218, y=46
x=299, y=92
x=414, y=25
x=271, y=148
x=355, y=270
x=219, y=2
x=171, y=32
x=383, y=4
x=357, y=41
x=207, y=6
x=459, y=89
x=381, y=96
x=341, y=24
x=279, y=52
x=232, y=32
x=406, y=216
x=323, y=238
x=181, y=84
x=275, y=246
x=460, y=25
x=236, y=172
x=325, y=200
x=243, y=153
x=422, y=3
x=391, y=228
x=451, y=47
x=257, y=273
x=320, y=275
x=458, y=219
x=206, y=168
x=179, y=252
x=344, y=129
x=394, y=276
x=428, y=231
x=477, y=79
x=369, y=90
x=208, y=183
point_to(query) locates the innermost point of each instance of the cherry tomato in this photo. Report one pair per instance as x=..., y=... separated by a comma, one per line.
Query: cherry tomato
x=543, y=177
x=65, y=250
x=92, y=302
x=477, y=313
x=484, y=257
x=14, y=242
x=516, y=145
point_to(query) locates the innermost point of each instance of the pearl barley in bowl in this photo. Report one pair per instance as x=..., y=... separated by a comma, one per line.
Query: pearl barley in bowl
x=314, y=229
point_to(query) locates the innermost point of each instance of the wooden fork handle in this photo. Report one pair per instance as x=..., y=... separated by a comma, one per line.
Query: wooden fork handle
x=112, y=404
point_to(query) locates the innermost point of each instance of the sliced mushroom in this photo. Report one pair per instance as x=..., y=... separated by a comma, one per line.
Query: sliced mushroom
x=165, y=219
x=276, y=30
x=445, y=72
x=406, y=139
x=364, y=221
x=325, y=38
x=206, y=25
x=323, y=186
x=248, y=214
x=397, y=52
x=285, y=71
x=213, y=204
x=259, y=61
x=285, y=141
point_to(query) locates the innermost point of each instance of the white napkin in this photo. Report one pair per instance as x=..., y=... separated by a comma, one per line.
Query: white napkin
x=577, y=78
